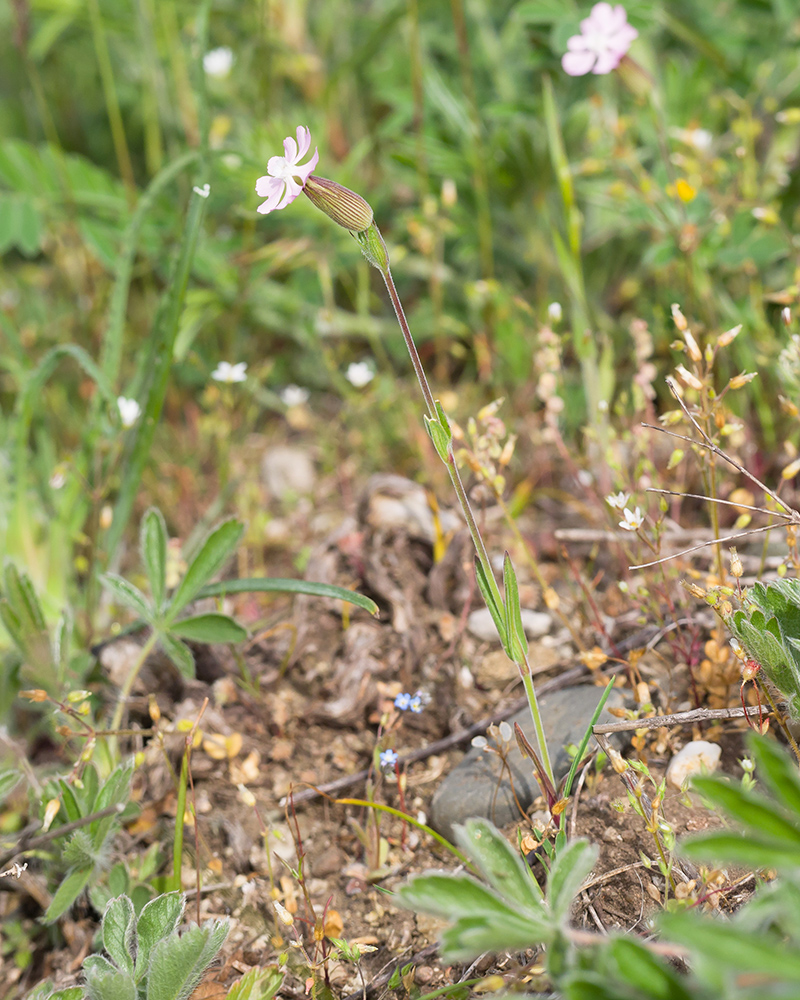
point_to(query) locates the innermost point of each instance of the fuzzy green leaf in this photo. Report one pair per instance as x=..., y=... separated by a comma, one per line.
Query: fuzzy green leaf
x=570, y=868
x=158, y=920
x=450, y=896
x=751, y=851
x=118, y=932
x=756, y=813
x=179, y=963
x=209, y=627
x=66, y=894
x=111, y=985
x=128, y=595
x=500, y=865
x=775, y=767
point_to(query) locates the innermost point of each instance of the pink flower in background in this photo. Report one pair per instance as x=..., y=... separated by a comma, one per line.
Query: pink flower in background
x=604, y=39
x=286, y=177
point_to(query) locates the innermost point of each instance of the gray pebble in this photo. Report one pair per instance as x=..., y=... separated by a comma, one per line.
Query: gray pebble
x=475, y=787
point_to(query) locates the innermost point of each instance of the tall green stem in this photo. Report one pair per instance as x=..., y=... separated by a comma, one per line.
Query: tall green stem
x=463, y=499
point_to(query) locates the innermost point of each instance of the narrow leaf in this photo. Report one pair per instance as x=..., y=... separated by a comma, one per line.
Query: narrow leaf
x=153, y=543
x=512, y=611
x=270, y=585
x=500, y=865
x=128, y=595
x=179, y=653
x=210, y=627
x=66, y=894
x=570, y=868
x=496, y=610
x=216, y=550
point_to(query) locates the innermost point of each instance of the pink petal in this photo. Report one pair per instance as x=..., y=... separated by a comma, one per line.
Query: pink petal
x=266, y=185
x=607, y=61
x=623, y=38
x=307, y=168
x=290, y=149
x=578, y=44
x=303, y=141
x=276, y=165
x=273, y=199
x=577, y=63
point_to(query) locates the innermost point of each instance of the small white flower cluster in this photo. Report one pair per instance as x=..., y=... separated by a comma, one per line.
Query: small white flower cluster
x=633, y=519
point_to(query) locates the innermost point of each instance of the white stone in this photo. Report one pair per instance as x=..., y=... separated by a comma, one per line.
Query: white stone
x=481, y=624
x=287, y=471
x=695, y=758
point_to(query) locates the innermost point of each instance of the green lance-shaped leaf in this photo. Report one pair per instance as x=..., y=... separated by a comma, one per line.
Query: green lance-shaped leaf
x=478, y=933
x=639, y=968
x=512, y=612
x=496, y=610
x=439, y=436
x=66, y=894
x=158, y=920
x=272, y=585
x=756, y=813
x=119, y=929
x=738, y=849
x=153, y=544
x=775, y=767
x=570, y=868
x=179, y=653
x=450, y=897
x=129, y=595
x=500, y=865
x=209, y=627
x=732, y=948
x=215, y=552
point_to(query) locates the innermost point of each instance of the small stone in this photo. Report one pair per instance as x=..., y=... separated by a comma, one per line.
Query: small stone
x=423, y=975
x=696, y=757
x=481, y=624
x=327, y=862
x=478, y=785
x=287, y=471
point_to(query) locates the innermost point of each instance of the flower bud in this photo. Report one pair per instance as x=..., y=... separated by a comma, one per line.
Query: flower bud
x=729, y=336
x=345, y=207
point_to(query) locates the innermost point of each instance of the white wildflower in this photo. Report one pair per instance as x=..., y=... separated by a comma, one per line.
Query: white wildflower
x=129, y=411
x=360, y=373
x=226, y=372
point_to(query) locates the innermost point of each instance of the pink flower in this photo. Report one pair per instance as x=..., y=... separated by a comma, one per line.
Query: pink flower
x=286, y=176
x=604, y=39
